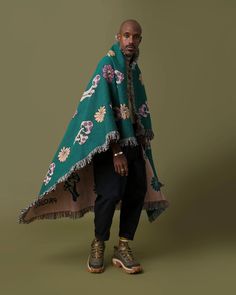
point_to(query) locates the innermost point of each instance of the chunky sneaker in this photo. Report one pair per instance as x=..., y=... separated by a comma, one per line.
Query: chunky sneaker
x=95, y=261
x=124, y=258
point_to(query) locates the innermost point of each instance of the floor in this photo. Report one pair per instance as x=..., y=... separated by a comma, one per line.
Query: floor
x=50, y=256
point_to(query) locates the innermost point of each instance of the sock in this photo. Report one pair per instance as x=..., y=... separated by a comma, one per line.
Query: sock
x=123, y=239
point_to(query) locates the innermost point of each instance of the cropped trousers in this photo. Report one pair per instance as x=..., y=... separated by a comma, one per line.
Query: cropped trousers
x=111, y=187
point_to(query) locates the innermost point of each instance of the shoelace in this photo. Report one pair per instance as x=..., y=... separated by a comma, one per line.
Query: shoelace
x=97, y=249
x=127, y=252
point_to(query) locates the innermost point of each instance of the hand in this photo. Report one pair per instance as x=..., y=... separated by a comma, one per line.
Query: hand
x=121, y=165
x=120, y=161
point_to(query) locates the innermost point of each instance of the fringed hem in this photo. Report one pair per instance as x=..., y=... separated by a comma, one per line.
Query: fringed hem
x=149, y=134
x=128, y=141
x=55, y=215
x=153, y=209
x=156, y=209
x=156, y=205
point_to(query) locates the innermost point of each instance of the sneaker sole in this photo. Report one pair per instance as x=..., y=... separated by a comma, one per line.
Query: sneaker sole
x=119, y=263
x=94, y=270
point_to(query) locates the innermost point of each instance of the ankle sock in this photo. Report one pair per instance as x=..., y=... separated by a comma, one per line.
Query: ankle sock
x=123, y=239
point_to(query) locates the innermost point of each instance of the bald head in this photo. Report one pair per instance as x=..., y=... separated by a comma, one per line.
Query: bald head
x=131, y=22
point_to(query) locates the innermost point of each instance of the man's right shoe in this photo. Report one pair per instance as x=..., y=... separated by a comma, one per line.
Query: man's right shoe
x=95, y=262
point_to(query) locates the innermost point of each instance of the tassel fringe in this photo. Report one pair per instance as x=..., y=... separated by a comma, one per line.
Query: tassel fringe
x=154, y=209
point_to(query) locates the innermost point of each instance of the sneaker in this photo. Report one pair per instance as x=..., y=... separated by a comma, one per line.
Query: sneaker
x=95, y=261
x=124, y=258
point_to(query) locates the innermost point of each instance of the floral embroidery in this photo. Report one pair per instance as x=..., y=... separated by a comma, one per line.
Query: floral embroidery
x=99, y=115
x=111, y=53
x=91, y=90
x=49, y=174
x=144, y=110
x=124, y=110
x=119, y=77
x=64, y=153
x=121, y=112
x=108, y=73
x=85, y=128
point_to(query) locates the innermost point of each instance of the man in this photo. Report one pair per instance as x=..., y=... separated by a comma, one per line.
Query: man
x=104, y=161
x=114, y=182
x=125, y=177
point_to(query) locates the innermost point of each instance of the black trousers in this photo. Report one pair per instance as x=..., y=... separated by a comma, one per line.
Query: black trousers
x=112, y=187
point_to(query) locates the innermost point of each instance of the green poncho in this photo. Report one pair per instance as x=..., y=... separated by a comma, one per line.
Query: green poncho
x=102, y=116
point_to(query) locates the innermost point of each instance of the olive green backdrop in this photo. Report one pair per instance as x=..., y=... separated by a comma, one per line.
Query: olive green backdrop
x=48, y=51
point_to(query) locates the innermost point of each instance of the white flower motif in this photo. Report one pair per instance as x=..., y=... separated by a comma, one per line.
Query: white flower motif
x=124, y=111
x=63, y=154
x=111, y=53
x=99, y=115
x=85, y=128
x=91, y=90
x=119, y=77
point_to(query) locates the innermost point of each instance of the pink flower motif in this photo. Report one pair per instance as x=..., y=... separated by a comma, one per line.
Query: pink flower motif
x=119, y=77
x=85, y=128
x=48, y=177
x=51, y=169
x=83, y=139
x=95, y=81
x=143, y=110
x=88, y=126
x=108, y=73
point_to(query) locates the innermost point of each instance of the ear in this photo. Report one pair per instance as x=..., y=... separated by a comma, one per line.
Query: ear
x=118, y=36
x=140, y=39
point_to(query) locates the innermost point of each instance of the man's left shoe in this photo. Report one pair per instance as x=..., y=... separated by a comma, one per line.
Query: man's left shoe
x=123, y=257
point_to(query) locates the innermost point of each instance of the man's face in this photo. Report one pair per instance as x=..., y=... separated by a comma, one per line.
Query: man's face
x=129, y=38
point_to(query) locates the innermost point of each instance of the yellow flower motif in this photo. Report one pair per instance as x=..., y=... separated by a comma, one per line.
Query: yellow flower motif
x=141, y=78
x=111, y=53
x=99, y=115
x=64, y=153
x=124, y=111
